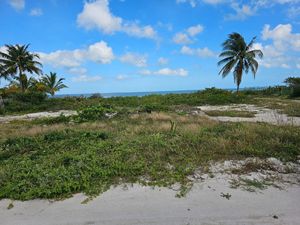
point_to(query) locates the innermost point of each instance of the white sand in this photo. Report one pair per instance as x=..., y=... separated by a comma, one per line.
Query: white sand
x=32, y=116
x=262, y=114
x=144, y=205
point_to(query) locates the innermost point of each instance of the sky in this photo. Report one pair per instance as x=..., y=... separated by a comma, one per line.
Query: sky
x=104, y=46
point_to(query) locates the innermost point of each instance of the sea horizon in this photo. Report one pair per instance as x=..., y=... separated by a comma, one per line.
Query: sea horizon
x=144, y=93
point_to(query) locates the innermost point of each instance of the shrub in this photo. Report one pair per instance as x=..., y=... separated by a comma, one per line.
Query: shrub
x=92, y=113
x=294, y=84
x=29, y=97
x=148, y=108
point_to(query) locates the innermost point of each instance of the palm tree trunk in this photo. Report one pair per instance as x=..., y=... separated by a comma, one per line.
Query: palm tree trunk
x=237, y=89
x=21, y=81
x=1, y=103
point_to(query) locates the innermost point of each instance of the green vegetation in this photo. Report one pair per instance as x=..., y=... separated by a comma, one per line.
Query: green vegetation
x=238, y=57
x=294, y=84
x=230, y=113
x=58, y=160
x=52, y=84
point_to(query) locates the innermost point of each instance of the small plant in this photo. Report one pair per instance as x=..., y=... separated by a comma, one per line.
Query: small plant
x=227, y=195
x=173, y=126
x=93, y=113
x=10, y=206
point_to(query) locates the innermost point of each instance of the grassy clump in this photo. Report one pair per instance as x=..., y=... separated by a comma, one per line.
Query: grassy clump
x=211, y=96
x=90, y=157
x=231, y=113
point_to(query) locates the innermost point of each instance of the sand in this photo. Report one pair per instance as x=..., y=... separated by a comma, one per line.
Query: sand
x=265, y=115
x=38, y=115
x=142, y=205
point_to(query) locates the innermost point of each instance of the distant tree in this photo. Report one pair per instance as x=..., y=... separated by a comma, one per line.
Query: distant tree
x=238, y=57
x=16, y=61
x=294, y=84
x=52, y=83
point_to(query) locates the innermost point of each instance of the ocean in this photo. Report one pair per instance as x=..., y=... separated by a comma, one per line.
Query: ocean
x=126, y=94
x=140, y=94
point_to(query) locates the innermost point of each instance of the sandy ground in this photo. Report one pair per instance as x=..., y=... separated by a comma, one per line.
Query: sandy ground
x=262, y=114
x=140, y=205
x=32, y=116
x=144, y=205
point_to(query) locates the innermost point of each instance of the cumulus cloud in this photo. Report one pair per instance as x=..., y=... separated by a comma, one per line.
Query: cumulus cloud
x=36, y=12
x=194, y=30
x=181, y=38
x=200, y=52
x=17, y=4
x=139, y=60
x=241, y=12
x=166, y=72
x=243, y=9
x=86, y=78
x=284, y=44
x=162, y=61
x=97, y=15
x=186, y=37
x=99, y=52
x=282, y=37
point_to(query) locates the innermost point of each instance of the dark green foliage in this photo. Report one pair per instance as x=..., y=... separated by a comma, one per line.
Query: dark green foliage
x=238, y=57
x=269, y=91
x=93, y=113
x=29, y=97
x=294, y=84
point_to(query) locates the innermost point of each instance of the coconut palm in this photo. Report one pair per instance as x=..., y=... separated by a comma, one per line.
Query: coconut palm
x=52, y=83
x=238, y=57
x=16, y=61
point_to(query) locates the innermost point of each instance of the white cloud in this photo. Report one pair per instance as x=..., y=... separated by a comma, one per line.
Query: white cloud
x=193, y=3
x=200, y=52
x=282, y=37
x=132, y=29
x=17, y=4
x=122, y=77
x=78, y=71
x=134, y=59
x=187, y=36
x=241, y=12
x=36, y=12
x=280, y=53
x=181, y=38
x=166, y=72
x=86, y=78
x=162, y=61
x=82, y=75
x=99, y=52
x=194, y=30
x=213, y=2
x=145, y=72
x=97, y=15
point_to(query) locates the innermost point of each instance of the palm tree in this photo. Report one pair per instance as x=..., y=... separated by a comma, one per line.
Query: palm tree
x=239, y=57
x=18, y=60
x=52, y=84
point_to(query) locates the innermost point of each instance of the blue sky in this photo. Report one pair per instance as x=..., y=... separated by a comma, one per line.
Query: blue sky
x=141, y=45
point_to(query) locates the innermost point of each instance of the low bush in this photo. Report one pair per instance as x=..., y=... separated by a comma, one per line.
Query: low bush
x=93, y=113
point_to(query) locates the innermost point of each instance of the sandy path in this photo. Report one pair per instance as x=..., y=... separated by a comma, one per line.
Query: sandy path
x=262, y=114
x=32, y=116
x=144, y=205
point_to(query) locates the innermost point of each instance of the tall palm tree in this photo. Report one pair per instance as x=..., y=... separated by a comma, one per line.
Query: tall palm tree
x=52, y=83
x=238, y=57
x=16, y=61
